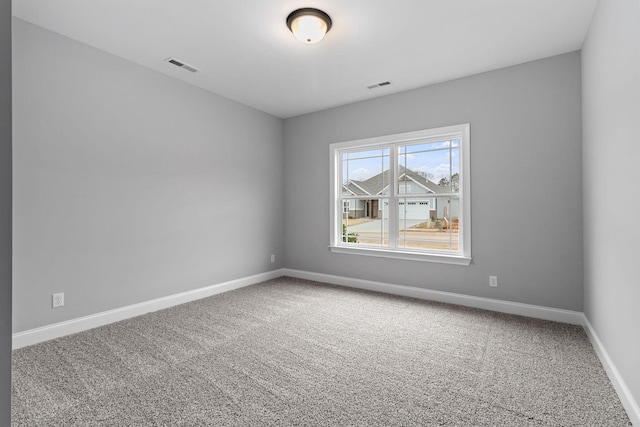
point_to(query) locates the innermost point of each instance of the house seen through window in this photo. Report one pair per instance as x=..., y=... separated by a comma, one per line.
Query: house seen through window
x=404, y=196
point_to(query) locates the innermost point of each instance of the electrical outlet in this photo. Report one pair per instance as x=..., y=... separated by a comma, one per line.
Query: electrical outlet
x=57, y=300
x=273, y=258
x=493, y=281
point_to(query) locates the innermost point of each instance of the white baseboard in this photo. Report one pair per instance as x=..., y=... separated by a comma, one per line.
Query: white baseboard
x=629, y=403
x=56, y=330
x=528, y=310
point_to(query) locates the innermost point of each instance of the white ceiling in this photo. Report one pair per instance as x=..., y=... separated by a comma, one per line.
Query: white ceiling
x=245, y=51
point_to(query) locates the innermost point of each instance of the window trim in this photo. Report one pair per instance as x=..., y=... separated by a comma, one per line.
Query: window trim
x=448, y=132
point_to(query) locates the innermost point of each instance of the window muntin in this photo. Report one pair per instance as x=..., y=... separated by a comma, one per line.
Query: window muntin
x=423, y=176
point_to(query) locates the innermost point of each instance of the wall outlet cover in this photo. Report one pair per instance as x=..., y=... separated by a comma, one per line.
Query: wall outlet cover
x=57, y=300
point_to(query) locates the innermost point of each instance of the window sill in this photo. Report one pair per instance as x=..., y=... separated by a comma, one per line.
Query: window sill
x=410, y=256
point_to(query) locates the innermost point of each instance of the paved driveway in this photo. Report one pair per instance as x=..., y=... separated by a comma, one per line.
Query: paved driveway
x=374, y=225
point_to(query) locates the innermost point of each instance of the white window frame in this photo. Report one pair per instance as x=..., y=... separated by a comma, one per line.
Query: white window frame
x=460, y=257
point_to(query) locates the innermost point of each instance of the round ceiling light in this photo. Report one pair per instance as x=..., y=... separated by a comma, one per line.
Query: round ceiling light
x=309, y=25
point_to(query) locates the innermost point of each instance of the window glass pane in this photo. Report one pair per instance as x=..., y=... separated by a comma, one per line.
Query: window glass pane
x=429, y=223
x=413, y=148
x=366, y=222
x=365, y=154
x=365, y=172
x=455, y=170
x=433, y=169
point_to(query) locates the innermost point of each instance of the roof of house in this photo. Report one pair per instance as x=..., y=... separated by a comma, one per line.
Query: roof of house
x=355, y=187
x=377, y=183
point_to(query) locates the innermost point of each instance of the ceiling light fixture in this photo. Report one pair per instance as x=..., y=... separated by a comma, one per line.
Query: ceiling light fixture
x=309, y=25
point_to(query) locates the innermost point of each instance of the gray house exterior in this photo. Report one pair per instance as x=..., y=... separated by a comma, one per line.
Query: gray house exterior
x=429, y=207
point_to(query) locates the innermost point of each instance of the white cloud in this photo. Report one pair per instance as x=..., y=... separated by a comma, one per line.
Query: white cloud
x=360, y=174
x=442, y=170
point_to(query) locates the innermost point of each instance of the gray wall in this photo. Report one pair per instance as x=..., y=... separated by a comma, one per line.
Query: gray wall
x=611, y=129
x=130, y=185
x=5, y=213
x=525, y=181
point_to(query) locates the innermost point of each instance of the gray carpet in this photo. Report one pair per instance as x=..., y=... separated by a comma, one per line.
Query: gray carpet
x=294, y=352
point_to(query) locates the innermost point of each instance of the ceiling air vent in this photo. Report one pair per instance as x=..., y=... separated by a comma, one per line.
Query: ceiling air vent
x=387, y=83
x=181, y=64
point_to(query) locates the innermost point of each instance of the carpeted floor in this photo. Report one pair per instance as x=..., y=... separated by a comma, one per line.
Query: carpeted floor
x=294, y=352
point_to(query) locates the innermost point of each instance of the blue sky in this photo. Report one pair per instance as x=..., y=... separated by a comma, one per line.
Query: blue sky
x=429, y=158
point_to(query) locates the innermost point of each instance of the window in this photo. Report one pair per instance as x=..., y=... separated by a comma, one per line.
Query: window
x=407, y=196
x=405, y=188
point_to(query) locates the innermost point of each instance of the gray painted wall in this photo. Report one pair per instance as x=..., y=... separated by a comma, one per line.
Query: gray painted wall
x=5, y=213
x=611, y=129
x=130, y=185
x=525, y=181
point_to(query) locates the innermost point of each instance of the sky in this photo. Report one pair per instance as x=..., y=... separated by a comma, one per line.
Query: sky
x=433, y=159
